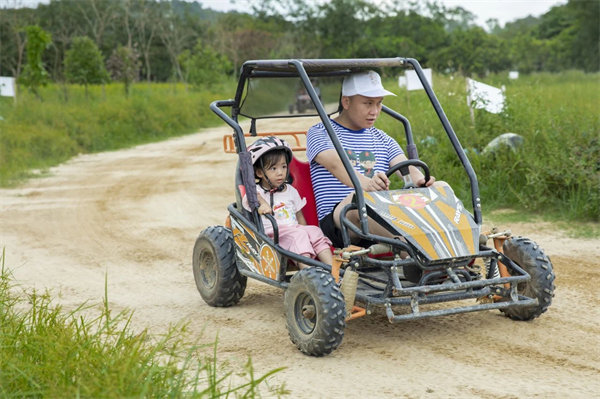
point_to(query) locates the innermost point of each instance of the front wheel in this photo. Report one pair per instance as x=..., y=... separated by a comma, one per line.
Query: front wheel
x=215, y=272
x=315, y=312
x=531, y=258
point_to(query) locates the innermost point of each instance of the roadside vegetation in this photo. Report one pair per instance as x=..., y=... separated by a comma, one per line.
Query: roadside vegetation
x=555, y=172
x=49, y=352
x=37, y=134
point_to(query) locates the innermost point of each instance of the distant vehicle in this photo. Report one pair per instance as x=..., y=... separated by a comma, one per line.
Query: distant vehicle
x=303, y=101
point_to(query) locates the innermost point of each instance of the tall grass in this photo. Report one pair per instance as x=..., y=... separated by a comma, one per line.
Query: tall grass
x=41, y=133
x=556, y=170
x=46, y=351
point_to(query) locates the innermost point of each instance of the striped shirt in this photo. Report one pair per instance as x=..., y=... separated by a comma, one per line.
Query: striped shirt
x=369, y=150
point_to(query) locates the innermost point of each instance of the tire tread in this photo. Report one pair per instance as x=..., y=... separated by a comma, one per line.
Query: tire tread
x=530, y=256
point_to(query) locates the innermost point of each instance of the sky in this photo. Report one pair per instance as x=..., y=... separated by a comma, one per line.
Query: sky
x=503, y=10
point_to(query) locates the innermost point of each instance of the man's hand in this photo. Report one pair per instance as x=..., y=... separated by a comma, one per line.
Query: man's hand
x=379, y=182
x=421, y=182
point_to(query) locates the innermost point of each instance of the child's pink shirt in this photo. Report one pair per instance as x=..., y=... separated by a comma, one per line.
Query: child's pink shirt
x=285, y=205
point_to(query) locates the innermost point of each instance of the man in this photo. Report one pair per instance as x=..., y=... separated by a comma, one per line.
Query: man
x=374, y=151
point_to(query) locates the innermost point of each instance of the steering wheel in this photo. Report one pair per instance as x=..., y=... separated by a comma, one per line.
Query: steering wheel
x=404, y=171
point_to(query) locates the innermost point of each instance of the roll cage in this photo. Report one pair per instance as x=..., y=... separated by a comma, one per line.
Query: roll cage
x=307, y=69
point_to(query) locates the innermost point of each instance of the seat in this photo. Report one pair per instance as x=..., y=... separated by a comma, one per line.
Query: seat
x=300, y=176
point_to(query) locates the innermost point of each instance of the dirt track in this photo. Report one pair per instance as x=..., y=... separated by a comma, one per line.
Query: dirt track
x=133, y=215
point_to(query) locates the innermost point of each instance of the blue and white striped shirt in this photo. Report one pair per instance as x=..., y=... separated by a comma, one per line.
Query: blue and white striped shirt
x=369, y=150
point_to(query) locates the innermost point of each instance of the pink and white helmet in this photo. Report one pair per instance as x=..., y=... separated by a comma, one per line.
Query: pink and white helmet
x=265, y=144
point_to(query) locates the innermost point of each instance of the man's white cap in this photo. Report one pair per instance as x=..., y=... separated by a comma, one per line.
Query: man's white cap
x=366, y=84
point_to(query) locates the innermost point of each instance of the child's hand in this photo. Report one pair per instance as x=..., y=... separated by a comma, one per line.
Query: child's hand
x=264, y=208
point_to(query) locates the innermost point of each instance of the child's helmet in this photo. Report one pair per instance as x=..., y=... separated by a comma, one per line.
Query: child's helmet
x=265, y=144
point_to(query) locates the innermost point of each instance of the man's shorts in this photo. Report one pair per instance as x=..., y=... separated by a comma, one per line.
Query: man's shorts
x=331, y=231
x=335, y=234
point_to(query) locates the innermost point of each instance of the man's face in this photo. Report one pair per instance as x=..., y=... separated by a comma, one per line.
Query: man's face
x=361, y=111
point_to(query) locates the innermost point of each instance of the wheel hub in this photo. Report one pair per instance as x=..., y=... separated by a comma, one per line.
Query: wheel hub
x=308, y=311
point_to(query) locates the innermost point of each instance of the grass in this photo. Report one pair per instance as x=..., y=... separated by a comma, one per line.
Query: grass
x=557, y=169
x=37, y=134
x=46, y=351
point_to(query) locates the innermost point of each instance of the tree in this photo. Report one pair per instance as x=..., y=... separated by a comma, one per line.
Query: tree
x=585, y=47
x=175, y=34
x=84, y=64
x=204, y=66
x=34, y=74
x=98, y=16
x=472, y=51
x=13, y=38
x=145, y=16
x=340, y=25
x=453, y=18
x=124, y=66
x=64, y=21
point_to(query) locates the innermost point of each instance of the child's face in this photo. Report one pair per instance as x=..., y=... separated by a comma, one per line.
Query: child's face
x=276, y=173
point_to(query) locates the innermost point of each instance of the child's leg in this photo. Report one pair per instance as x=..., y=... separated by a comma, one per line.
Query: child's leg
x=303, y=265
x=325, y=256
x=295, y=239
x=321, y=244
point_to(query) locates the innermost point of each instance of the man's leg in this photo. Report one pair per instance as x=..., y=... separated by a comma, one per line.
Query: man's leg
x=374, y=227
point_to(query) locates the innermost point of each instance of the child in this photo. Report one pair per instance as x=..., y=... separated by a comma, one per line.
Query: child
x=270, y=158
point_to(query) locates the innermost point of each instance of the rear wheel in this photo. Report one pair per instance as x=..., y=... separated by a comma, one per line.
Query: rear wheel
x=530, y=257
x=315, y=312
x=215, y=272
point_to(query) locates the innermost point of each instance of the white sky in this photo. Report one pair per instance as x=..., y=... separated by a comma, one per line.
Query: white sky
x=503, y=10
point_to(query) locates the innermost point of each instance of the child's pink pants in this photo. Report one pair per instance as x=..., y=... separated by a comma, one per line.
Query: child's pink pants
x=303, y=240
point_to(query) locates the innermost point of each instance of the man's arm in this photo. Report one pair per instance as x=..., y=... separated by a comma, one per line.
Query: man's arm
x=330, y=160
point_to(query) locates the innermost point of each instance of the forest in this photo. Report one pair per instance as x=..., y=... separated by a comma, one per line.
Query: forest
x=93, y=41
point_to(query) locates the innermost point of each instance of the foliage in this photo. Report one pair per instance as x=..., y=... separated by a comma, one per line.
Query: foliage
x=204, y=67
x=84, y=64
x=123, y=65
x=585, y=34
x=34, y=74
x=564, y=38
x=471, y=52
x=50, y=352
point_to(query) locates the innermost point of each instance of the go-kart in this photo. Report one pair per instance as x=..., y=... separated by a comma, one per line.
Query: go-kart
x=440, y=264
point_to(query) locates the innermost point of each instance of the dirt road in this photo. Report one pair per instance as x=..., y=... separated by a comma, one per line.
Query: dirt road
x=134, y=215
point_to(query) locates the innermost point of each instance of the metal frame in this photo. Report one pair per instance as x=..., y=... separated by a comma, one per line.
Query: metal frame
x=393, y=293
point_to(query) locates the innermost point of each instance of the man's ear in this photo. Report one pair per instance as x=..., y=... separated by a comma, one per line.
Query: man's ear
x=345, y=102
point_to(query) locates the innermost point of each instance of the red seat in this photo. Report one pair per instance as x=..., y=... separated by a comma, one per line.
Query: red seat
x=300, y=173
